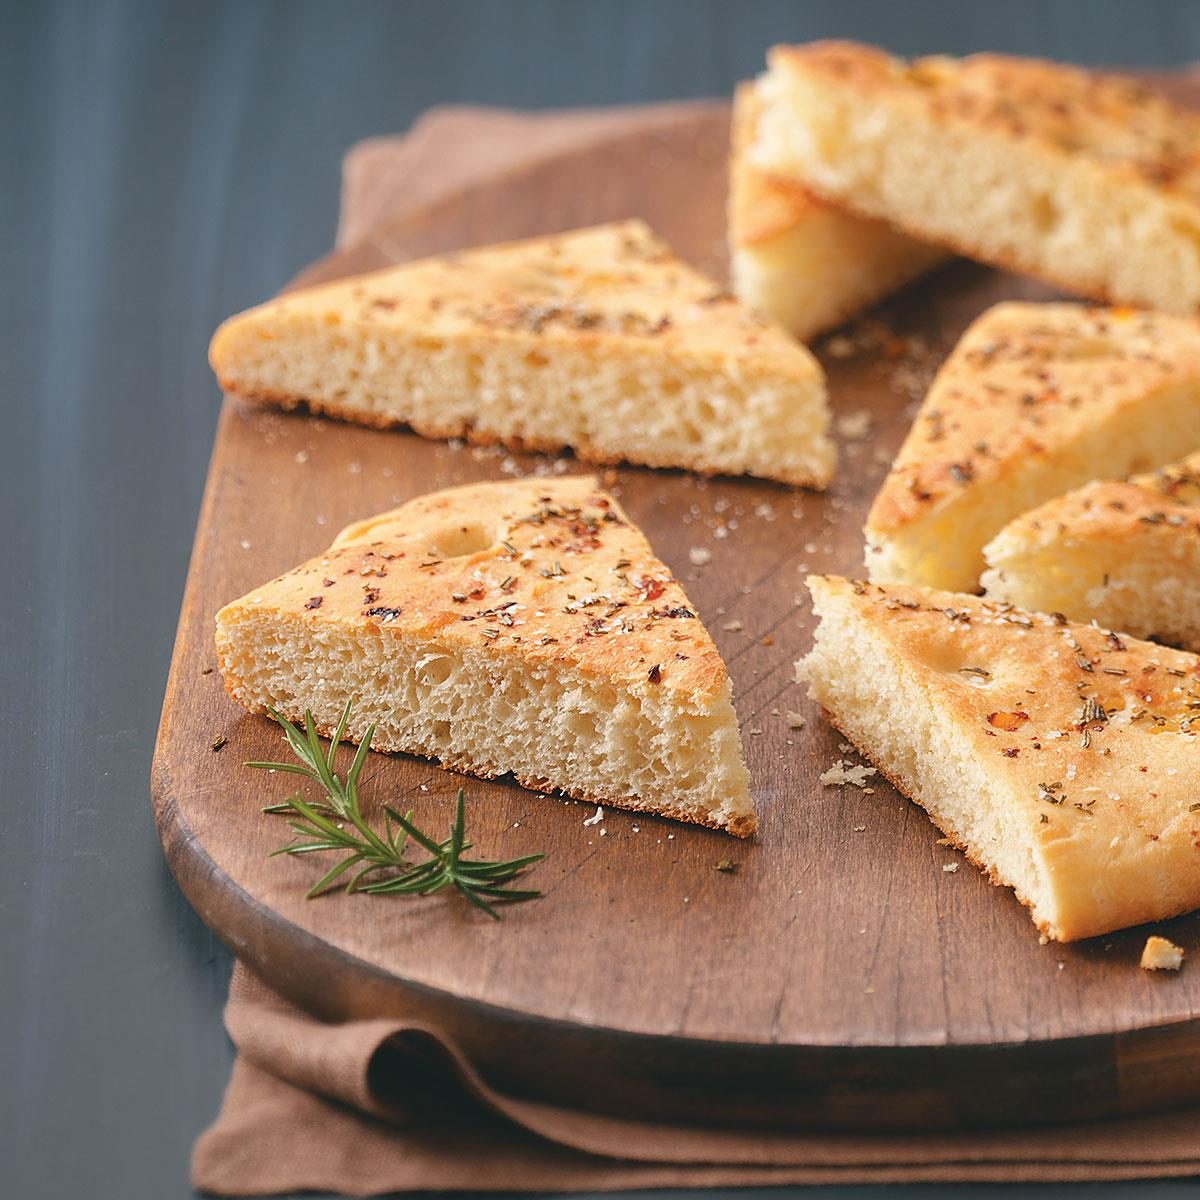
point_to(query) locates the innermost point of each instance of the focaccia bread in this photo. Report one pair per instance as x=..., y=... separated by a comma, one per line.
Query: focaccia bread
x=805, y=263
x=1060, y=757
x=1034, y=400
x=1122, y=552
x=1090, y=182
x=599, y=340
x=524, y=628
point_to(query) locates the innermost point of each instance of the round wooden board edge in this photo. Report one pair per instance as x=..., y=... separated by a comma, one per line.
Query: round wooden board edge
x=668, y=1077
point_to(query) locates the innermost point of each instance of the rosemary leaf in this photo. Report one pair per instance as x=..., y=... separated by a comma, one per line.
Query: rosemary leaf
x=335, y=824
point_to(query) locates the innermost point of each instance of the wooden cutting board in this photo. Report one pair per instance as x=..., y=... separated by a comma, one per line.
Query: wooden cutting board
x=840, y=976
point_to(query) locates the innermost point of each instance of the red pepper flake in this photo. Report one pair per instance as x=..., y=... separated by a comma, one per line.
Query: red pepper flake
x=314, y=602
x=1010, y=722
x=649, y=589
x=327, y=582
x=655, y=674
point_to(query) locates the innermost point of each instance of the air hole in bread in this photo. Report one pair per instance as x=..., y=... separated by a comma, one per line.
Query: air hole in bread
x=457, y=541
x=434, y=668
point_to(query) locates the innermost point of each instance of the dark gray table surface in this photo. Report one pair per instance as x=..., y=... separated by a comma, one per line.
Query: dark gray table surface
x=161, y=165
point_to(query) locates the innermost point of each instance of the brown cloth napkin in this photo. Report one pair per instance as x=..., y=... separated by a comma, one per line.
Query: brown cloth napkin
x=385, y=177
x=380, y=1106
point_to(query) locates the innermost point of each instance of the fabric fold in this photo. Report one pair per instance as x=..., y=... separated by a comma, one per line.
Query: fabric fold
x=373, y=1106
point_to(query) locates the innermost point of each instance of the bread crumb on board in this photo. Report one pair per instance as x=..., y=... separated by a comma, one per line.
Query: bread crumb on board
x=842, y=774
x=699, y=556
x=854, y=426
x=796, y=720
x=1159, y=954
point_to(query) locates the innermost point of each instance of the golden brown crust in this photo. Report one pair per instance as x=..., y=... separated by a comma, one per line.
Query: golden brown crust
x=1087, y=734
x=1025, y=382
x=551, y=572
x=1134, y=132
x=1157, y=509
x=606, y=288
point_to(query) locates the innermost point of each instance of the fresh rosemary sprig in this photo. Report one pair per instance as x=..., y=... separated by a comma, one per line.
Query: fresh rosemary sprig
x=337, y=824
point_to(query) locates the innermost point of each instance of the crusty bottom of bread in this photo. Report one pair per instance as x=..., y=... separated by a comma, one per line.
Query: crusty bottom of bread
x=817, y=480
x=552, y=730
x=884, y=711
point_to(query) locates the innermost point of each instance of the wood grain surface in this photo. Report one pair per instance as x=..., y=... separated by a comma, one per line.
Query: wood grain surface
x=839, y=976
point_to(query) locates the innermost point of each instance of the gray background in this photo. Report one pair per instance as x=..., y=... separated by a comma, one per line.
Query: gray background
x=162, y=165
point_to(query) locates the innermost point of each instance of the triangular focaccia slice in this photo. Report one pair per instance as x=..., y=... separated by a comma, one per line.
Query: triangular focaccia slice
x=1090, y=182
x=1060, y=757
x=804, y=263
x=600, y=340
x=522, y=628
x=1035, y=399
x=1124, y=553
